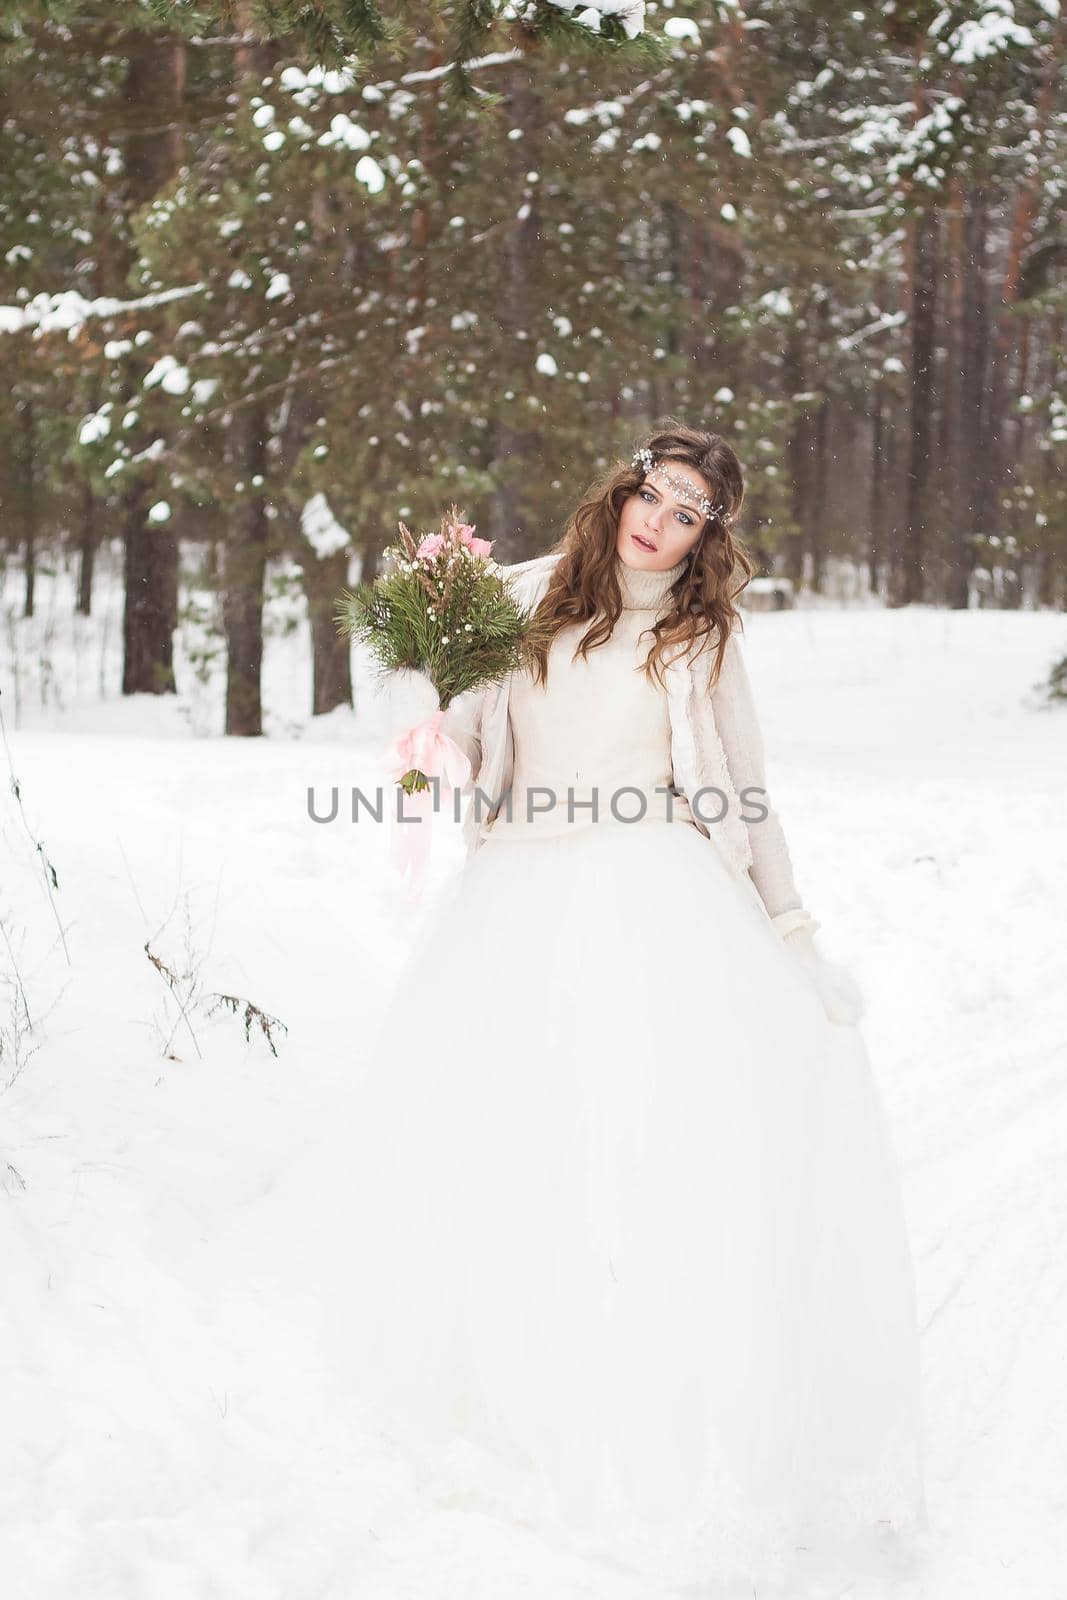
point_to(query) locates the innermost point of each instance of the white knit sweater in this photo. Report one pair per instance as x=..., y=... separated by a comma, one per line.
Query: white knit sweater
x=593, y=744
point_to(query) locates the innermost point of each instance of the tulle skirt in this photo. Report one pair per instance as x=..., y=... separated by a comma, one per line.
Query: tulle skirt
x=623, y=1251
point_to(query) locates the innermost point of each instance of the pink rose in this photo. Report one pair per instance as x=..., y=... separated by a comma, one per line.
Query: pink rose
x=430, y=546
x=477, y=547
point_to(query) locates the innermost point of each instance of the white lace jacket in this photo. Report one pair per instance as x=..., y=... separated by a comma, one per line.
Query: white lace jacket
x=716, y=744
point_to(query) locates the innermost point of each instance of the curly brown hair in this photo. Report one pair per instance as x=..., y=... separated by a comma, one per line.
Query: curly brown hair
x=584, y=585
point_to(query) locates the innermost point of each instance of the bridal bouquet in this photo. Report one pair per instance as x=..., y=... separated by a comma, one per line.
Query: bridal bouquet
x=441, y=623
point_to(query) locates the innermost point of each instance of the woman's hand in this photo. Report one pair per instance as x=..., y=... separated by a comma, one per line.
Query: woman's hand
x=411, y=697
x=841, y=995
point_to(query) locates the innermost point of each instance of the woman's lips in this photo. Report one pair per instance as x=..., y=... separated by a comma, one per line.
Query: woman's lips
x=643, y=544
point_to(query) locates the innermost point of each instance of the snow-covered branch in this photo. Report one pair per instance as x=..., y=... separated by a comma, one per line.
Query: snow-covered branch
x=892, y=319
x=68, y=311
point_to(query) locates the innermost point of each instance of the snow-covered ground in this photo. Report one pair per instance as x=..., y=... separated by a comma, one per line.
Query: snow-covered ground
x=170, y=1430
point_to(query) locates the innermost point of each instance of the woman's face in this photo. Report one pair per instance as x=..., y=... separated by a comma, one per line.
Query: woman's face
x=659, y=523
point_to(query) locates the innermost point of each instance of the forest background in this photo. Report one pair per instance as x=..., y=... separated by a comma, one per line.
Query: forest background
x=274, y=275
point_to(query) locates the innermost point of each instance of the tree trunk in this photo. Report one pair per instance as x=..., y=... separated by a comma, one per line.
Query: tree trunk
x=151, y=95
x=29, y=501
x=976, y=510
x=512, y=445
x=331, y=652
x=322, y=578
x=245, y=562
x=878, y=488
x=894, y=447
x=1049, y=586
x=87, y=542
x=819, y=508
x=956, y=496
x=151, y=611
x=923, y=309
x=799, y=453
x=1024, y=214
x=245, y=550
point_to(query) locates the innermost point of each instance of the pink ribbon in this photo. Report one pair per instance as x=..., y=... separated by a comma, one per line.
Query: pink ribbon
x=426, y=749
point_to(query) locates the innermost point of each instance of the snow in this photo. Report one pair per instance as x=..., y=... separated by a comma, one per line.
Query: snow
x=303, y=86
x=343, y=131
x=97, y=426
x=989, y=34
x=170, y=1428
x=631, y=13
x=370, y=174
x=777, y=302
x=170, y=375
x=321, y=528
x=603, y=111
x=69, y=311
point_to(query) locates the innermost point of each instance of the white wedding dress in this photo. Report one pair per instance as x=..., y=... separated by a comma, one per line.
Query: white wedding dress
x=624, y=1256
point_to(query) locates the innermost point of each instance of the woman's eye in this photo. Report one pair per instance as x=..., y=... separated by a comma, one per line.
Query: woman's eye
x=687, y=521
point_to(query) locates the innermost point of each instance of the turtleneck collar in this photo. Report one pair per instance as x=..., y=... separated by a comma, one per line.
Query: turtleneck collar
x=642, y=589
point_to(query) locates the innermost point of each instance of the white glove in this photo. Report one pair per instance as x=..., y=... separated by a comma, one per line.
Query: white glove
x=841, y=995
x=410, y=697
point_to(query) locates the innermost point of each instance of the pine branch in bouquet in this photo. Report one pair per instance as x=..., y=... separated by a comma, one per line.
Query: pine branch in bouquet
x=443, y=609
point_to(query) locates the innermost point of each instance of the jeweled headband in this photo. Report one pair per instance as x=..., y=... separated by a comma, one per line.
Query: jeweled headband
x=649, y=462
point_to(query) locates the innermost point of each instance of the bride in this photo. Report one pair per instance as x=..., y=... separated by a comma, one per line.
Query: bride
x=624, y=1233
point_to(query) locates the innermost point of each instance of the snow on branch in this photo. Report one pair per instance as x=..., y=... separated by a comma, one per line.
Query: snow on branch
x=892, y=319
x=631, y=13
x=68, y=311
x=981, y=37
